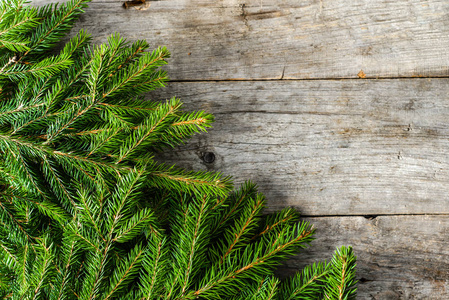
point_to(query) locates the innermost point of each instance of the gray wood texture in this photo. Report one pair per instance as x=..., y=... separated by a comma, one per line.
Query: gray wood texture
x=290, y=39
x=327, y=147
x=399, y=257
x=363, y=159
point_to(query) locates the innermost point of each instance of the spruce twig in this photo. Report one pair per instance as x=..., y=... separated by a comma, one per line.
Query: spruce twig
x=86, y=212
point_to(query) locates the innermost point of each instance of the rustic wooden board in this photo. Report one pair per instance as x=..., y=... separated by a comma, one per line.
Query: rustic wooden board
x=336, y=147
x=259, y=39
x=399, y=257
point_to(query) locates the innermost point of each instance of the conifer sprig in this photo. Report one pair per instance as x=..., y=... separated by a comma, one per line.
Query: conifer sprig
x=117, y=249
x=86, y=212
x=79, y=115
x=341, y=282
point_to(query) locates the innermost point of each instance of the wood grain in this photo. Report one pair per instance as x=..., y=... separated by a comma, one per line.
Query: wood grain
x=399, y=257
x=349, y=147
x=290, y=39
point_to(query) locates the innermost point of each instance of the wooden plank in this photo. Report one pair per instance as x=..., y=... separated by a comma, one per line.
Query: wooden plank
x=348, y=147
x=399, y=257
x=290, y=39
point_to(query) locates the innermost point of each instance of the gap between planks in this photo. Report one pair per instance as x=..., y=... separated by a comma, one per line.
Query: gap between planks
x=374, y=216
x=306, y=79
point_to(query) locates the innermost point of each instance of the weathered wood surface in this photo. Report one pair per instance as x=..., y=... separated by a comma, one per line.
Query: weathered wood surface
x=259, y=39
x=399, y=257
x=336, y=147
x=330, y=148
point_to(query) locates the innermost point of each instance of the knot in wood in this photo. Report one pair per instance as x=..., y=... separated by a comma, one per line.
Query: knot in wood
x=209, y=157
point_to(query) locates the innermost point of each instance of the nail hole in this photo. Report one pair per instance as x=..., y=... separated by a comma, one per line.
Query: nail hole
x=209, y=157
x=363, y=280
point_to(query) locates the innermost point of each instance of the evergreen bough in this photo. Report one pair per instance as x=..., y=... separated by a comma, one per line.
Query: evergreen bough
x=85, y=210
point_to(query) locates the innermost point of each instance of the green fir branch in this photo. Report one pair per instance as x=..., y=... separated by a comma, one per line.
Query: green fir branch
x=87, y=211
x=307, y=284
x=125, y=272
x=155, y=266
x=340, y=283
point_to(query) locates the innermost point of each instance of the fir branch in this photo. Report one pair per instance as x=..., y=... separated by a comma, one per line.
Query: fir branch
x=85, y=210
x=43, y=265
x=244, y=226
x=45, y=68
x=277, y=221
x=89, y=209
x=307, y=284
x=10, y=61
x=340, y=283
x=255, y=258
x=23, y=269
x=127, y=78
x=124, y=273
x=192, y=240
x=65, y=276
x=122, y=200
x=7, y=257
x=23, y=22
x=16, y=146
x=54, y=178
x=95, y=274
x=74, y=231
x=235, y=202
x=265, y=289
x=206, y=183
x=12, y=223
x=11, y=146
x=134, y=225
x=186, y=125
x=14, y=23
x=55, y=25
x=14, y=45
x=63, y=122
x=45, y=206
x=136, y=50
x=149, y=127
x=103, y=136
x=155, y=265
x=21, y=108
x=77, y=43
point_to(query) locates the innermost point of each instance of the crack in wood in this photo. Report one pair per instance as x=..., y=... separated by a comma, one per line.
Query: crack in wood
x=244, y=15
x=282, y=75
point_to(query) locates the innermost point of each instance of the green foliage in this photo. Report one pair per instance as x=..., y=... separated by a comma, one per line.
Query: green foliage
x=119, y=247
x=85, y=210
x=78, y=115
